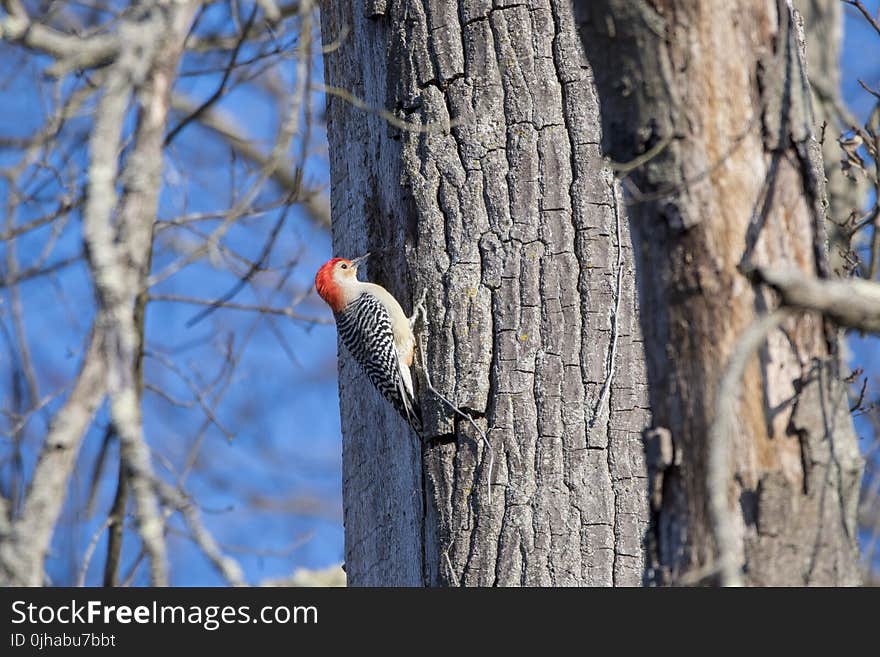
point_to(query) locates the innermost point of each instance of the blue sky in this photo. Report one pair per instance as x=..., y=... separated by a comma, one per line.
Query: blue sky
x=860, y=59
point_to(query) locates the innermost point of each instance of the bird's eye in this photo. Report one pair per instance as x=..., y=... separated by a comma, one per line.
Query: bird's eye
x=343, y=266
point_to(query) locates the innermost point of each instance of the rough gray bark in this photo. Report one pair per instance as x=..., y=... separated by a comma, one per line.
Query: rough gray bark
x=511, y=222
x=713, y=98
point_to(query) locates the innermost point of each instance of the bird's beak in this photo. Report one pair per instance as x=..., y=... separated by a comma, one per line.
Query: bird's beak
x=357, y=261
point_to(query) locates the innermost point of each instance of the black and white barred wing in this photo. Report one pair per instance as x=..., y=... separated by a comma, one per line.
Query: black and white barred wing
x=365, y=329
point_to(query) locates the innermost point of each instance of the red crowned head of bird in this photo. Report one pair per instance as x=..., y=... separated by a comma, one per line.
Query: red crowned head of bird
x=337, y=283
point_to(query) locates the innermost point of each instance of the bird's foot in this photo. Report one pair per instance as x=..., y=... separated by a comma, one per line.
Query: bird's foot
x=419, y=309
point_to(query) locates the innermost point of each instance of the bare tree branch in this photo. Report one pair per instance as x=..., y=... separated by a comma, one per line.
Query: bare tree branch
x=268, y=310
x=314, y=202
x=73, y=51
x=729, y=559
x=119, y=258
x=228, y=567
x=873, y=22
x=22, y=552
x=852, y=303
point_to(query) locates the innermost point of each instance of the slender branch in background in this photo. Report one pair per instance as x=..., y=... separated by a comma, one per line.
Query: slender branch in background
x=249, y=274
x=72, y=51
x=255, y=308
x=220, y=42
x=314, y=202
x=874, y=262
x=721, y=432
x=189, y=219
x=851, y=303
x=23, y=551
x=225, y=565
x=24, y=419
x=97, y=473
x=90, y=549
x=36, y=272
x=873, y=22
x=270, y=9
x=116, y=521
x=868, y=220
x=221, y=89
x=14, y=231
x=330, y=576
x=200, y=398
x=17, y=313
x=864, y=86
x=872, y=128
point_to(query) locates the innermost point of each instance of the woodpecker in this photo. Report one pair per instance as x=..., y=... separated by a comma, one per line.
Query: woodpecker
x=375, y=330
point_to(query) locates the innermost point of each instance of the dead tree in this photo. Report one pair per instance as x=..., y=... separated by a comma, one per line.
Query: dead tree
x=711, y=103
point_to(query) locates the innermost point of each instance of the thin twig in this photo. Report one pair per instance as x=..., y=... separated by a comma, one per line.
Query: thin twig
x=449, y=565
x=637, y=196
x=225, y=565
x=249, y=274
x=197, y=393
x=24, y=419
x=90, y=549
x=36, y=272
x=221, y=88
x=612, y=350
x=420, y=308
x=867, y=14
x=267, y=310
x=644, y=158
x=389, y=117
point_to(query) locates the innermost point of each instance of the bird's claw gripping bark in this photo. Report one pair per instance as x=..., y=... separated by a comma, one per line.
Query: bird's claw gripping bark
x=419, y=309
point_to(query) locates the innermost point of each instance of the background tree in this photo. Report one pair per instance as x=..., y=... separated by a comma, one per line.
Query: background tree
x=823, y=29
x=860, y=162
x=158, y=159
x=730, y=195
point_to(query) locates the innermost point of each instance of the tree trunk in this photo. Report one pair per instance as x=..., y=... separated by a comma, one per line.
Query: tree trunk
x=513, y=225
x=712, y=99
